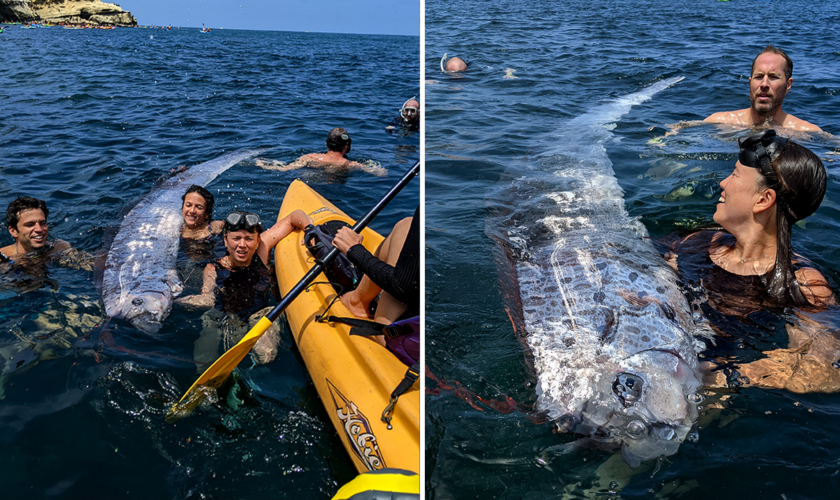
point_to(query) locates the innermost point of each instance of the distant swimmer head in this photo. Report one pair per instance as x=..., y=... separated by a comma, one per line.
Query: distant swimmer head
x=197, y=206
x=453, y=65
x=338, y=139
x=410, y=111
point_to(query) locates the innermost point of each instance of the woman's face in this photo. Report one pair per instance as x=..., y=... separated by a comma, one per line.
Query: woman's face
x=241, y=246
x=740, y=193
x=194, y=210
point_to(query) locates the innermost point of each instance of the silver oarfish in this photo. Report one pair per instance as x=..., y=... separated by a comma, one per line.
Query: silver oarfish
x=139, y=280
x=611, y=337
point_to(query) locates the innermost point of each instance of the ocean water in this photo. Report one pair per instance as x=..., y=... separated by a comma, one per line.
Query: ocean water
x=91, y=121
x=485, y=133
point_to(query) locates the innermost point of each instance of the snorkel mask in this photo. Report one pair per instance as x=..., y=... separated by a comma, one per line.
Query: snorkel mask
x=409, y=113
x=238, y=221
x=758, y=150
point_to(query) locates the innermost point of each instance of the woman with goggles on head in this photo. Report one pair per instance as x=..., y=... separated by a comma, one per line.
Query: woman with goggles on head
x=750, y=266
x=240, y=283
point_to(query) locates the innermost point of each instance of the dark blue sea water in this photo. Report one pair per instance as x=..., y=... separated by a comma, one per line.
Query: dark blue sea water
x=90, y=121
x=484, y=131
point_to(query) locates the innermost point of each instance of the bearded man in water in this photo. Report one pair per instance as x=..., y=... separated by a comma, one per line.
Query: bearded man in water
x=770, y=81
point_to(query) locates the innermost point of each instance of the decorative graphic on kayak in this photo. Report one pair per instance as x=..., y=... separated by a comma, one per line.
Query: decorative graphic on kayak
x=358, y=430
x=322, y=209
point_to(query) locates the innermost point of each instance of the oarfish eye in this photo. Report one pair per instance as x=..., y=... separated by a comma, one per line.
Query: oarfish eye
x=637, y=429
x=628, y=388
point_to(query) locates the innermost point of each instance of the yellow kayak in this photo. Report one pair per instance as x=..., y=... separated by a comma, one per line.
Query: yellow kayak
x=354, y=375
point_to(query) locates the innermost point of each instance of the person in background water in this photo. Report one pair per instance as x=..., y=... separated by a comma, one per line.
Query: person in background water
x=750, y=266
x=409, y=118
x=770, y=81
x=338, y=145
x=26, y=220
x=453, y=65
x=239, y=285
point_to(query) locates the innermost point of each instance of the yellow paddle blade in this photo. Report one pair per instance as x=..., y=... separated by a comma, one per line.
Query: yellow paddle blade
x=218, y=372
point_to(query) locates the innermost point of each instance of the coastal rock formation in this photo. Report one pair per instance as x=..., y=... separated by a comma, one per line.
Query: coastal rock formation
x=67, y=11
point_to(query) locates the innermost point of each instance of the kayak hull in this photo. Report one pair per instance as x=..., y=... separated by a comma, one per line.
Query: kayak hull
x=354, y=376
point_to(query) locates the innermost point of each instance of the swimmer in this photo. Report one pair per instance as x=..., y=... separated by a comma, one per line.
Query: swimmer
x=338, y=145
x=238, y=286
x=750, y=266
x=244, y=240
x=409, y=118
x=770, y=81
x=26, y=219
x=197, y=210
x=453, y=65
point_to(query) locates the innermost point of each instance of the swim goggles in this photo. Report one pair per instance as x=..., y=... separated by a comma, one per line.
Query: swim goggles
x=236, y=221
x=757, y=150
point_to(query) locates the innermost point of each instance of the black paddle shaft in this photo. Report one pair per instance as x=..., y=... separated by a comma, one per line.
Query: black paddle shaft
x=361, y=224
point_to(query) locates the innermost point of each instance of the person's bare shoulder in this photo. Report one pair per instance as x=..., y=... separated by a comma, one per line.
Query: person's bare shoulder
x=728, y=117
x=795, y=123
x=815, y=287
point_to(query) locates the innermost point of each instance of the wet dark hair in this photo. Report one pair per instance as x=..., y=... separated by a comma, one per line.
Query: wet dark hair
x=773, y=50
x=799, y=179
x=21, y=204
x=337, y=139
x=209, y=201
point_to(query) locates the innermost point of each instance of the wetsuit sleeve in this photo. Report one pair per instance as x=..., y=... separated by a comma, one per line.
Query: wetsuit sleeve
x=403, y=280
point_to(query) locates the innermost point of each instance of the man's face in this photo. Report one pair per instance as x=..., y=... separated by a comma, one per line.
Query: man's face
x=768, y=85
x=411, y=111
x=31, y=231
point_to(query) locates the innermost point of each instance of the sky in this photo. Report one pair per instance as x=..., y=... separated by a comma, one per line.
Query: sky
x=382, y=17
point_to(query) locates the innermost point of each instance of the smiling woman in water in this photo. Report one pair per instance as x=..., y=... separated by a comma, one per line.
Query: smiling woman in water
x=750, y=266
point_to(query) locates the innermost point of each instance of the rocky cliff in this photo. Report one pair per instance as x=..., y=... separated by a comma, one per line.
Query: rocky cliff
x=67, y=11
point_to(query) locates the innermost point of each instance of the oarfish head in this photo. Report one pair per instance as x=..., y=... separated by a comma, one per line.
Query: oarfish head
x=647, y=406
x=146, y=305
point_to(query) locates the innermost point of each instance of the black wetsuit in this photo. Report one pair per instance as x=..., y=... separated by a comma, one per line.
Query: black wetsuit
x=400, y=124
x=401, y=281
x=243, y=291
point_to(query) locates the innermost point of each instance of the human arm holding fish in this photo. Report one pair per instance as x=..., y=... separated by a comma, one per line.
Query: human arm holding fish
x=207, y=297
x=282, y=228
